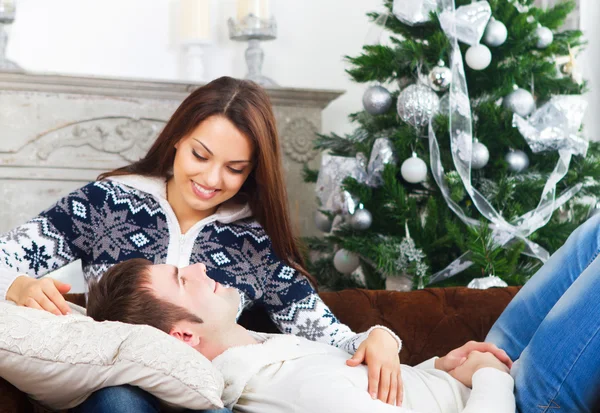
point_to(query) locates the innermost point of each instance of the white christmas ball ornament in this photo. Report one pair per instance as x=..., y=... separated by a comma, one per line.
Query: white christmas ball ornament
x=478, y=57
x=495, y=33
x=520, y=102
x=414, y=170
x=545, y=37
x=345, y=261
x=480, y=155
x=517, y=160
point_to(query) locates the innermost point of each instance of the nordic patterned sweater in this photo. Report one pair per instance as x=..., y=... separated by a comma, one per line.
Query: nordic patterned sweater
x=110, y=221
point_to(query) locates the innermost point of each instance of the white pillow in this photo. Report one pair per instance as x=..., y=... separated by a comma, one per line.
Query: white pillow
x=61, y=360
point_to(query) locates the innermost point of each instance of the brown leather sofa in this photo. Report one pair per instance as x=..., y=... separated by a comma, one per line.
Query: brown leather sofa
x=430, y=322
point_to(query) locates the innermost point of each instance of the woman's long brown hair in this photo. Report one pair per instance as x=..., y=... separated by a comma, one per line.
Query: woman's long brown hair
x=248, y=107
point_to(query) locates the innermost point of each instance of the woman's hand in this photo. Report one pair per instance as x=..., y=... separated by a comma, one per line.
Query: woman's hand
x=475, y=361
x=458, y=356
x=380, y=353
x=43, y=294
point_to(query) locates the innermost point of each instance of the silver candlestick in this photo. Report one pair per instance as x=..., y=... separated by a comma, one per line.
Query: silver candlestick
x=253, y=29
x=7, y=17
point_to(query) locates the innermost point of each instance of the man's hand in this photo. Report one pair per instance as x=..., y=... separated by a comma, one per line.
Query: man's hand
x=475, y=361
x=458, y=356
x=380, y=353
x=43, y=294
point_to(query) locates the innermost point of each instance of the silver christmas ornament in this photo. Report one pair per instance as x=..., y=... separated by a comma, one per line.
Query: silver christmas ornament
x=519, y=101
x=413, y=12
x=544, y=36
x=556, y=126
x=417, y=104
x=440, y=77
x=478, y=57
x=480, y=155
x=377, y=100
x=414, y=169
x=361, y=220
x=495, y=33
x=323, y=222
x=345, y=261
x=517, y=160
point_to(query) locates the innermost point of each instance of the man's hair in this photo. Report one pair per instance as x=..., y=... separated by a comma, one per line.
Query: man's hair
x=124, y=294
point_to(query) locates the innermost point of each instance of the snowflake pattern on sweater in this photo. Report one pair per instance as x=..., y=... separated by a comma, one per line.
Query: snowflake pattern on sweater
x=107, y=222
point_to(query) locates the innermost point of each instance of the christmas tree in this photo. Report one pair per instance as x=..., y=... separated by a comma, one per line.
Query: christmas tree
x=468, y=163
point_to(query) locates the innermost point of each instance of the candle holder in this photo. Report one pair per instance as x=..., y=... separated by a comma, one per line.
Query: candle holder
x=195, y=67
x=253, y=29
x=7, y=17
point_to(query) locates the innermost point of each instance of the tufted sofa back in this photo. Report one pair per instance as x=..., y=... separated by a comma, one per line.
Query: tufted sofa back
x=430, y=322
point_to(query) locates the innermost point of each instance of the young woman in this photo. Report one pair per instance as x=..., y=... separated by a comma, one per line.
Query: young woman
x=210, y=190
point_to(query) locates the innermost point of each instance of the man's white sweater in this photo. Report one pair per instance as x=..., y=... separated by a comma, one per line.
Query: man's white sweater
x=290, y=374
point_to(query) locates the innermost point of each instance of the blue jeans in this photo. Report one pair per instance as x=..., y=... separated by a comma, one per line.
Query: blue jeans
x=551, y=329
x=126, y=399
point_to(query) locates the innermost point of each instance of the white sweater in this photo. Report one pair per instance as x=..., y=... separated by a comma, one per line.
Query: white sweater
x=290, y=374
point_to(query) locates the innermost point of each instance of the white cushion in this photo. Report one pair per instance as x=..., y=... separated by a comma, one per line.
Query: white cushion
x=61, y=360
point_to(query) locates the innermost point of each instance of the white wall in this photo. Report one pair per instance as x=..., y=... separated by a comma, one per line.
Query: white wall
x=130, y=38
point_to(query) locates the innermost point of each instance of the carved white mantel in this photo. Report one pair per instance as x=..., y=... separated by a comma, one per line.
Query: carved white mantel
x=59, y=132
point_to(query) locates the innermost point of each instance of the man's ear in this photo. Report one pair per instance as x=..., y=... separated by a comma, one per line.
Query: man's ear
x=184, y=332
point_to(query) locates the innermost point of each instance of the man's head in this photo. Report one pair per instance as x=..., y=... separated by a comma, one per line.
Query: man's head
x=183, y=302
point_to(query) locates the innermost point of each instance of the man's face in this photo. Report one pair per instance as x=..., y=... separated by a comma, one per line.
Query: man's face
x=192, y=289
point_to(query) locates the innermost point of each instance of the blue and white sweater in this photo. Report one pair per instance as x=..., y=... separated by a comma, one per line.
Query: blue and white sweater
x=110, y=221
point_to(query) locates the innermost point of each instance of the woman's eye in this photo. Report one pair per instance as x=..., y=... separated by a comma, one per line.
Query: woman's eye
x=236, y=171
x=197, y=155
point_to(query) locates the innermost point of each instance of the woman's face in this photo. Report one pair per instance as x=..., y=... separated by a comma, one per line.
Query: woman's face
x=211, y=164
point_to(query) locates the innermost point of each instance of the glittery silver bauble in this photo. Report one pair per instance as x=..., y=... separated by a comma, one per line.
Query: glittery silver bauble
x=479, y=155
x=440, y=77
x=377, y=100
x=544, y=36
x=322, y=221
x=478, y=57
x=345, y=261
x=517, y=161
x=520, y=102
x=361, y=220
x=495, y=33
x=417, y=104
x=414, y=170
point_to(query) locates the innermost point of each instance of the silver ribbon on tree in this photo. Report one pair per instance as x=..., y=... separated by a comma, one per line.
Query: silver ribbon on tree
x=334, y=169
x=465, y=24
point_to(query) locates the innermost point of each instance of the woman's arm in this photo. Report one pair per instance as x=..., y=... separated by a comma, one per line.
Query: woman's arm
x=46, y=243
x=296, y=308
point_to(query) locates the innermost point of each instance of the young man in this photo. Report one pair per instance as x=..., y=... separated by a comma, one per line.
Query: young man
x=281, y=373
